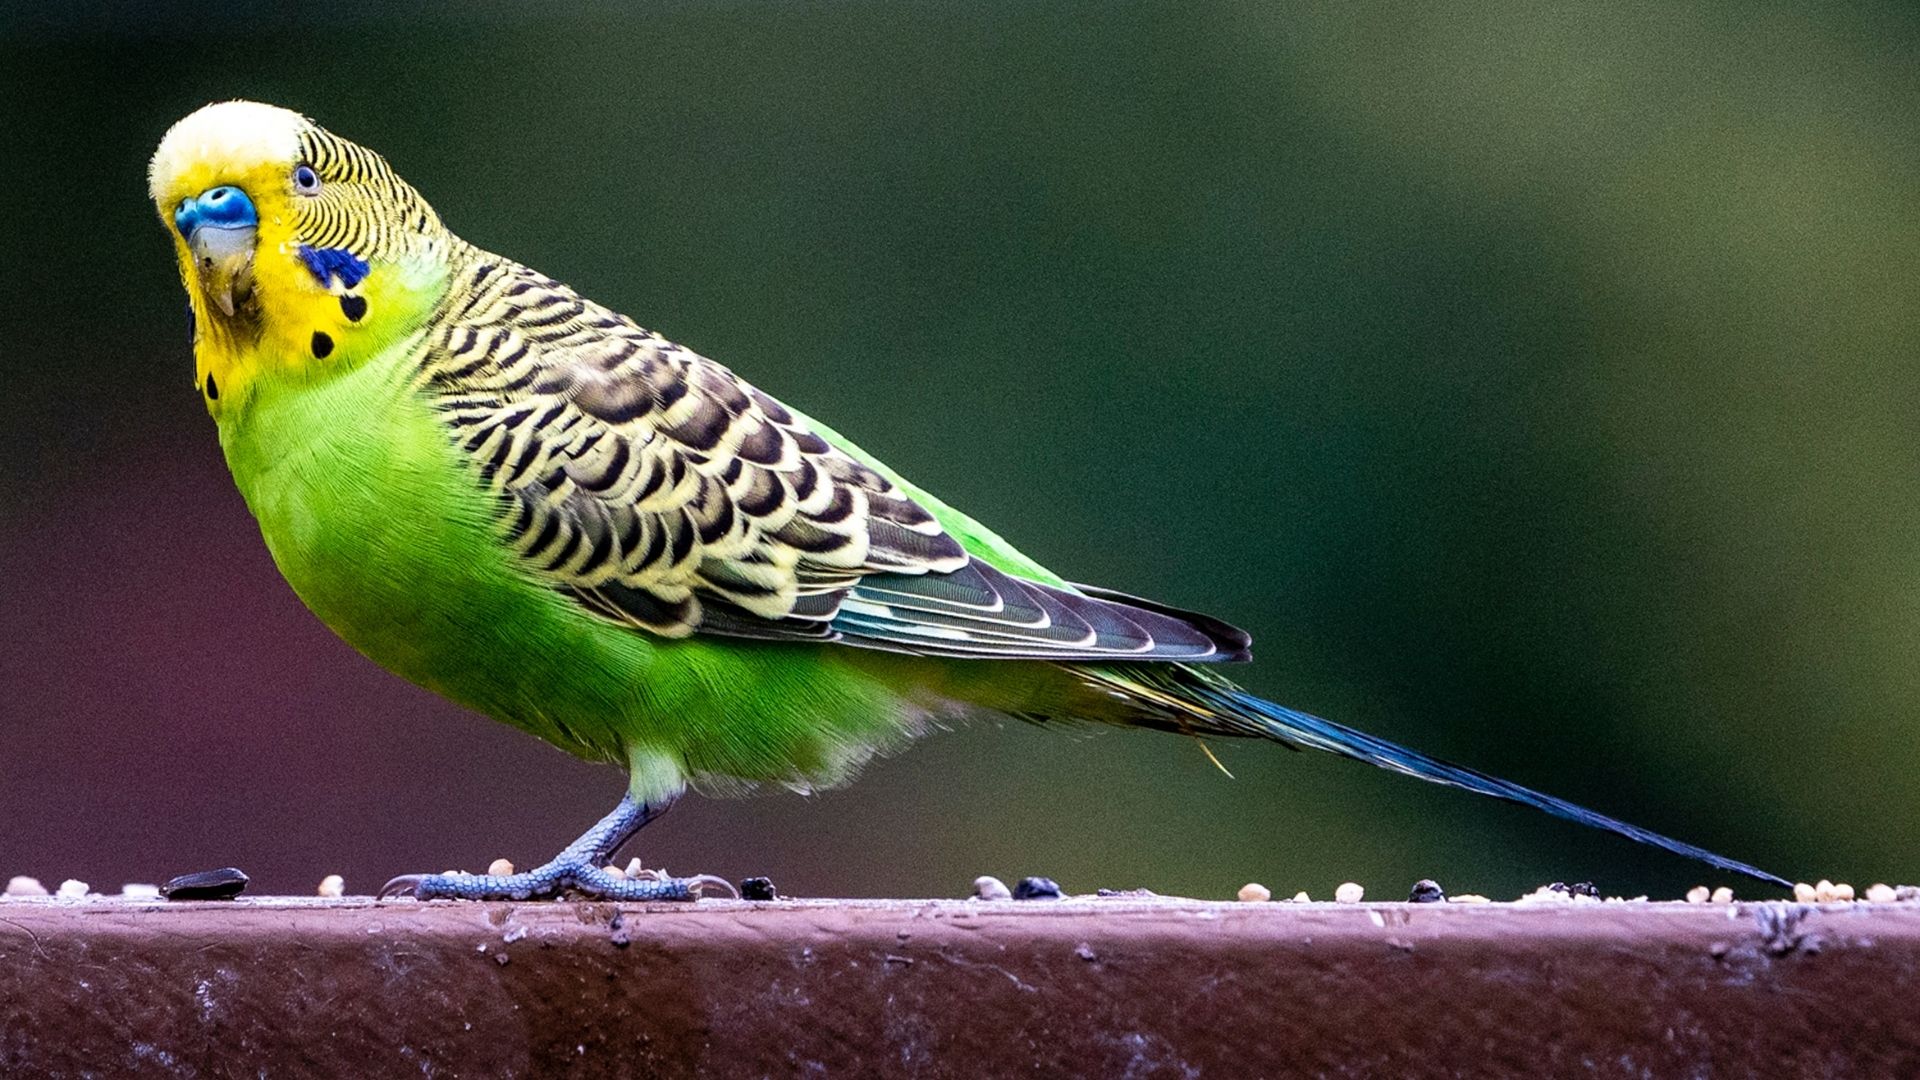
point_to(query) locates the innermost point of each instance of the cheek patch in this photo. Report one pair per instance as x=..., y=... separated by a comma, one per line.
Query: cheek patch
x=322, y=345
x=353, y=307
x=328, y=263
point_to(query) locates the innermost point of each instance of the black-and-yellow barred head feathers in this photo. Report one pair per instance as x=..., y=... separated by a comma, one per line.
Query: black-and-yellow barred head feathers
x=301, y=251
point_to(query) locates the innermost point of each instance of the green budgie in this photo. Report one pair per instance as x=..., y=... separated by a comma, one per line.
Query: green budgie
x=525, y=502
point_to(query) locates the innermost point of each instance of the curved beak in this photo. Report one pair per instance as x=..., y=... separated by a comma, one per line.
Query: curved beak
x=220, y=226
x=223, y=260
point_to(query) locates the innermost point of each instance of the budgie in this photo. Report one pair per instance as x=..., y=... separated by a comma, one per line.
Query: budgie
x=528, y=503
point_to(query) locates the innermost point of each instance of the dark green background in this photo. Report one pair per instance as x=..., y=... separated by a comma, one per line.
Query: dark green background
x=1538, y=386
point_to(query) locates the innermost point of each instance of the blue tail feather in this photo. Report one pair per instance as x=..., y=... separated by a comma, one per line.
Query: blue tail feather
x=1303, y=729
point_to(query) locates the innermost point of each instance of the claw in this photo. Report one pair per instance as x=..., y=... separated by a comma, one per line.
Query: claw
x=403, y=887
x=704, y=881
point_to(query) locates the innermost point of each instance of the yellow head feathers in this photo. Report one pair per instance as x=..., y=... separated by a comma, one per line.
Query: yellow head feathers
x=302, y=252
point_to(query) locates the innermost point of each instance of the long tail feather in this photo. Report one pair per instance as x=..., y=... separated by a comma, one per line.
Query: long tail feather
x=1294, y=726
x=1236, y=712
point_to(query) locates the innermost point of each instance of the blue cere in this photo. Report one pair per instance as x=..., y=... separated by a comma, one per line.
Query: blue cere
x=324, y=263
x=224, y=207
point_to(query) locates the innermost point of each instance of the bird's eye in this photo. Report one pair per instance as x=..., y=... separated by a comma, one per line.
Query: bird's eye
x=306, y=181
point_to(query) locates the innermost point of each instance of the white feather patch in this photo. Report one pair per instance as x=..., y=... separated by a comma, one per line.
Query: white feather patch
x=242, y=133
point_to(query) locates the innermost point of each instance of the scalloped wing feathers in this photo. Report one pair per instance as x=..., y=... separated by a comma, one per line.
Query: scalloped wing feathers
x=663, y=491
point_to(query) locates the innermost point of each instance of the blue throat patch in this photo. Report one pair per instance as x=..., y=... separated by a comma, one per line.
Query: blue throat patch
x=325, y=263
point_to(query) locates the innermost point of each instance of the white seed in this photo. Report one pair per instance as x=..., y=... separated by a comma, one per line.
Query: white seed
x=1301, y=897
x=1698, y=894
x=1468, y=898
x=1843, y=892
x=1253, y=892
x=1722, y=895
x=1348, y=893
x=1880, y=893
x=139, y=891
x=1805, y=893
x=73, y=889
x=634, y=869
x=333, y=887
x=988, y=887
x=499, y=868
x=615, y=872
x=25, y=886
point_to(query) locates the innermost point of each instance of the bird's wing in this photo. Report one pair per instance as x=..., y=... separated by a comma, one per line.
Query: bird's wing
x=662, y=491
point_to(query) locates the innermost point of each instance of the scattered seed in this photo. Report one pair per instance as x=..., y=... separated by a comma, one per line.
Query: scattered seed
x=1301, y=897
x=139, y=891
x=988, y=887
x=614, y=872
x=333, y=887
x=1254, y=893
x=1348, y=893
x=222, y=884
x=1805, y=893
x=634, y=869
x=72, y=889
x=1827, y=892
x=758, y=888
x=1880, y=893
x=500, y=868
x=1469, y=898
x=1036, y=888
x=1426, y=891
x=1722, y=895
x=1699, y=894
x=25, y=886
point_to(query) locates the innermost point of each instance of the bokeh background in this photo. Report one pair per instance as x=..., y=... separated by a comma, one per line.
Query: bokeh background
x=1537, y=384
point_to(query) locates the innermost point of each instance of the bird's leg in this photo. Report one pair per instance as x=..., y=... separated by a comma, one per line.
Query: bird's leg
x=577, y=869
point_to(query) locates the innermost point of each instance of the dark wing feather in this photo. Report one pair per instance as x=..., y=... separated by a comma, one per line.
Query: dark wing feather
x=660, y=490
x=978, y=611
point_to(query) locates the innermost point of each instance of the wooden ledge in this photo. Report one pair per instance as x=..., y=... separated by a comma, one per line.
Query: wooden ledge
x=1110, y=987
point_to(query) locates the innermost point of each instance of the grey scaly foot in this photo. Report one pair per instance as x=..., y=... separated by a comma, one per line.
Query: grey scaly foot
x=577, y=869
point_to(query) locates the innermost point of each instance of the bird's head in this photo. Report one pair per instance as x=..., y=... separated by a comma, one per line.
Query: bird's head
x=300, y=251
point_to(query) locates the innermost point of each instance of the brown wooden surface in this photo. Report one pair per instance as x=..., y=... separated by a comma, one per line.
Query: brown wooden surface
x=1116, y=988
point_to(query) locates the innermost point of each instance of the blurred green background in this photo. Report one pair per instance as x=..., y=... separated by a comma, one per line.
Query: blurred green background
x=1536, y=384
